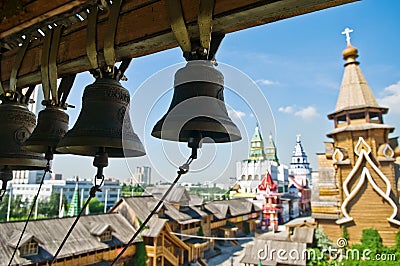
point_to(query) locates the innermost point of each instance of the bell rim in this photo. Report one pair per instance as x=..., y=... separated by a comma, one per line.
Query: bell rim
x=231, y=135
x=23, y=163
x=116, y=148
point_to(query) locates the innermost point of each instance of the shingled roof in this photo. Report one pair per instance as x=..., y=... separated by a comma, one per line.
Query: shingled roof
x=142, y=207
x=235, y=207
x=49, y=233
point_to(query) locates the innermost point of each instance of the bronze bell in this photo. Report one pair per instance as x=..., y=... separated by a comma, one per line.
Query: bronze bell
x=51, y=127
x=102, y=123
x=17, y=123
x=197, y=109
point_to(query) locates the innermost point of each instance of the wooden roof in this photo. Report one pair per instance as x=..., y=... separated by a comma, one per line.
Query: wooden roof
x=235, y=207
x=143, y=28
x=50, y=233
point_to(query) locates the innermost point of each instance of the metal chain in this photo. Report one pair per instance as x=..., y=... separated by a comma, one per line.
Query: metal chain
x=182, y=170
x=92, y=195
x=47, y=170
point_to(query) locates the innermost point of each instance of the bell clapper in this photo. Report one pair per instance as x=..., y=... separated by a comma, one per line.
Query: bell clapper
x=100, y=161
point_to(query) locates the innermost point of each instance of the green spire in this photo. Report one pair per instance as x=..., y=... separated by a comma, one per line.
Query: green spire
x=74, y=207
x=256, y=146
x=271, y=153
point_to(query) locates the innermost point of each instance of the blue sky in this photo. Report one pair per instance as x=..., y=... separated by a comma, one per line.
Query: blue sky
x=297, y=67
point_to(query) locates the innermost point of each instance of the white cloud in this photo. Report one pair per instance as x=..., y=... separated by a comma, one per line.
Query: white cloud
x=236, y=113
x=267, y=82
x=391, y=98
x=287, y=109
x=307, y=113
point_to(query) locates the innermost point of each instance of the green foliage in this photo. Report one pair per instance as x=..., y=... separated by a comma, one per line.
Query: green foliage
x=3, y=208
x=322, y=240
x=200, y=232
x=371, y=239
x=140, y=257
x=345, y=233
x=398, y=240
x=19, y=209
x=50, y=207
x=377, y=254
x=230, y=224
x=96, y=206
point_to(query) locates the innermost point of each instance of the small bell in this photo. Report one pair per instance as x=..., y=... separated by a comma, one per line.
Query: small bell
x=17, y=123
x=197, y=110
x=51, y=127
x=103, y=123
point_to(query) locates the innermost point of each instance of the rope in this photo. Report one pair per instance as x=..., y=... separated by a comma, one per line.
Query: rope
x=47, y=170
x=182, y=170
x=93, y=191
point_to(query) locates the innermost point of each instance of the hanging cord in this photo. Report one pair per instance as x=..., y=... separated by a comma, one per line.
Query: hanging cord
x=182, y=170
x=48, y=157
x=100, y=161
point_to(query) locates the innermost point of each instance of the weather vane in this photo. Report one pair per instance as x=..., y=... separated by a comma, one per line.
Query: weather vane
x=347, y=32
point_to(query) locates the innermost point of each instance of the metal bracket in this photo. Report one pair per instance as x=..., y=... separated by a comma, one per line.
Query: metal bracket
x=53, y=64
x=64, y=90
x=108, y=69
x=175, y=14
x=49, y=66
x=44, y=66
x=197, y=48
x=17, y=65
x=91, y=32
x=109, y=38
x=204, y=21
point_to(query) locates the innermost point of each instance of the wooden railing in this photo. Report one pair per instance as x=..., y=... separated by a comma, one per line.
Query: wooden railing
x=171, y=257
x=190, y=231
x=155, y=252
x=218, y=224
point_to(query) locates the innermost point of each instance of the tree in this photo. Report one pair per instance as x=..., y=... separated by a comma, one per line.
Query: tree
x=200, y=232
x=345, y=233
x=140, y=257
x=371, y=239
x=96, y=206
x=398, y=240
x=3, y=208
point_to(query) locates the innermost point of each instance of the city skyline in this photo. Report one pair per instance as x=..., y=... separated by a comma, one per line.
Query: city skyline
x=297, y=65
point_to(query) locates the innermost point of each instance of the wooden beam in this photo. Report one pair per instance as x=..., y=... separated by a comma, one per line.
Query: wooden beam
x=37, y=11
x=144, y=28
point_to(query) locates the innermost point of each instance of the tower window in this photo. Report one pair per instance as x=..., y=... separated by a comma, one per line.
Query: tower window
x=357, y=116
x=341, y=119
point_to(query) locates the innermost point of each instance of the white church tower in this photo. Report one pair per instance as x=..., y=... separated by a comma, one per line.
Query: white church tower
x=300, y=169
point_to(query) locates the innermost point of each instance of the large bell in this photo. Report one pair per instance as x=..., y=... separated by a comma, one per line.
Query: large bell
x=102, y=123
x=197, y=109
x=51, y=127
x=17, y=124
